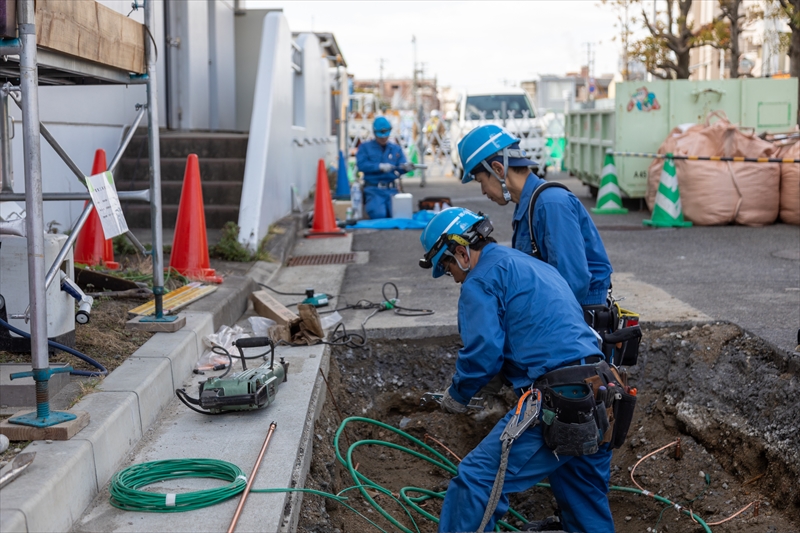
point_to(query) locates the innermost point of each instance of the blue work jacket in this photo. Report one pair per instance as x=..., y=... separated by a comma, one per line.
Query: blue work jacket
x=567, y=239
x=371, y=154
x=516, y=315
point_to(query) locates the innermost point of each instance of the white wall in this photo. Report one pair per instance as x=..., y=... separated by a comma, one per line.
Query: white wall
x=280, y=153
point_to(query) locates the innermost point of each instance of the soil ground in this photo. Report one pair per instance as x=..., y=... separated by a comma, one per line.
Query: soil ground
x=729, y=397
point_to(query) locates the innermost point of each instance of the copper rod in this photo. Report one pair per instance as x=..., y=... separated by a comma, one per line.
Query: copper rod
x=252, y=477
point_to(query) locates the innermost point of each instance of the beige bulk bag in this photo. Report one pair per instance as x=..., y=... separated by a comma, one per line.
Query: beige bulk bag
x=790, y=184
x=714, y=193
x=758, y=183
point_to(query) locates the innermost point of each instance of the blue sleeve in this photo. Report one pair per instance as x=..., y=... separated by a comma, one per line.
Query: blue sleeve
x=365, y=161
x=482, y=332
x=558, y=229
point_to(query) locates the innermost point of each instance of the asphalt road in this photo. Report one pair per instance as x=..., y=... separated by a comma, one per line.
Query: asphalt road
x=748, y=276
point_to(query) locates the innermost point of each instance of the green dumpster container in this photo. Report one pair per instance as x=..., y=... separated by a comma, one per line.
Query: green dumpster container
x=645, y=112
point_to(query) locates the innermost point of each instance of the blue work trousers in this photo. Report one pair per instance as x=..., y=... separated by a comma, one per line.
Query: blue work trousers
x=580, y=484
x=378, y=202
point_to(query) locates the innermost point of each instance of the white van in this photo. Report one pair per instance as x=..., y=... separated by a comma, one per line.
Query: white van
x=508, y=107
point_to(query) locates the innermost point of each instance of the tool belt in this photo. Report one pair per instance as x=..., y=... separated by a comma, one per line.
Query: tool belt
x=578, y=415
x=620, y=340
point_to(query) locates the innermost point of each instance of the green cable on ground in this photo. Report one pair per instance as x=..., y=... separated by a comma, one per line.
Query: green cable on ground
x=125, y=484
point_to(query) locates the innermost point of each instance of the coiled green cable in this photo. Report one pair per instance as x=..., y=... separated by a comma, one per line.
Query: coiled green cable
x=125, y=485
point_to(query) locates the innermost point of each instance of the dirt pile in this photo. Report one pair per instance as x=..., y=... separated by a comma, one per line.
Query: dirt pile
x=728, y=396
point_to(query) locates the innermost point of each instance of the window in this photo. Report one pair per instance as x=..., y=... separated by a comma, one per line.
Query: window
x=485, y=106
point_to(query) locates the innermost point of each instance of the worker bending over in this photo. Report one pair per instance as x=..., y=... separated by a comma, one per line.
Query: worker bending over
x=518, y=317
x=382, y=162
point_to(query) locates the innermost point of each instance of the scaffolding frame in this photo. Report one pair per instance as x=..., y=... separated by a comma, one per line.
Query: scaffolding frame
x=26, y=97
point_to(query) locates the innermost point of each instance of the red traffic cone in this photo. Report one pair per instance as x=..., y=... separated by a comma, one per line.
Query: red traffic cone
x=190, y=245
x=92, y=248
x=324, y=220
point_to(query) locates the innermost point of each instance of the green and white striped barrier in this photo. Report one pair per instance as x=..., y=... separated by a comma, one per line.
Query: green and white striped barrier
x=609, y=201
x=668, y=212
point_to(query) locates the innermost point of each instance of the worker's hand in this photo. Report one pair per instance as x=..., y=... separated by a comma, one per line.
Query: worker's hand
x=450, y=405
x=406, y=167
x=386, y=167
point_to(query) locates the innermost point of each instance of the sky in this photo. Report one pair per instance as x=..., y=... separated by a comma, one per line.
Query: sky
x=465, y=44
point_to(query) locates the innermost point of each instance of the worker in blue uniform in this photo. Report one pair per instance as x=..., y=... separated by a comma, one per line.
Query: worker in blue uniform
x=516, y=316
x=565, y=234
x=382, y=162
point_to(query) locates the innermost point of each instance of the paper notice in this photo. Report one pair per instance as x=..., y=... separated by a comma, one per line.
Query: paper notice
x=106, y=202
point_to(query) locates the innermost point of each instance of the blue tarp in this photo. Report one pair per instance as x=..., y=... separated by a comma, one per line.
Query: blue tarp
x=419, y=221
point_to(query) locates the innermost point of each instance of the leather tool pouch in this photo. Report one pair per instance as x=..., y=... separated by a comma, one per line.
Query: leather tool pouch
x=623, y=416
x=570, y=423
x=624, y=344
x=563, y=407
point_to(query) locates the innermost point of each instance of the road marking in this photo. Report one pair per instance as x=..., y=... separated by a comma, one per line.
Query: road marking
x=652, y=303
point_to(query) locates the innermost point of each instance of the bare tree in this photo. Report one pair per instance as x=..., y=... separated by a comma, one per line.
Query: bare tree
x=665, y=52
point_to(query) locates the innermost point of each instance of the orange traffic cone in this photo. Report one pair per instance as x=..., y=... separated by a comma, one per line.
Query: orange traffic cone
x=190, y=245
x=324, y=220
x=92, y=248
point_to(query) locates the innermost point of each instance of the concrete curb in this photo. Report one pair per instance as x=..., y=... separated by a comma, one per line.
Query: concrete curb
x=67, y=475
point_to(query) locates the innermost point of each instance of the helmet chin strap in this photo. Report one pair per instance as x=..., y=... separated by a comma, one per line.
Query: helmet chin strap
x=469, y=260
x=502, y=180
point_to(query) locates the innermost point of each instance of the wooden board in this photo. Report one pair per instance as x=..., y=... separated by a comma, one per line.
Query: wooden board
x=63, y=431
x=175, y=300
x=86, y=29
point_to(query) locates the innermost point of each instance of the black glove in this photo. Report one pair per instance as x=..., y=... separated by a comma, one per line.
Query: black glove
x=450, y=405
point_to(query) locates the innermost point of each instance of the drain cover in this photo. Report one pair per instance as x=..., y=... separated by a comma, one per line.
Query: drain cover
x=322, y=259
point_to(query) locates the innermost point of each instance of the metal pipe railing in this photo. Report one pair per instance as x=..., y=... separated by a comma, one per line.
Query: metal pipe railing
x=6, y=168
x=127, y=140
x=34, y=219
x=131, y=196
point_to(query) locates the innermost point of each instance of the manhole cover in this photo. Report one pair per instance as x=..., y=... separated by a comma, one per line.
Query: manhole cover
x=322, y=259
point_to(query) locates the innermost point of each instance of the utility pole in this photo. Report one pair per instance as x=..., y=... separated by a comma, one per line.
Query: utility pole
x=420, y=115
x=381, y=61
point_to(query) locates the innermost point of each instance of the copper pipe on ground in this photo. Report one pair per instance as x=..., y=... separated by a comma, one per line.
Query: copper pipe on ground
x=252, y=478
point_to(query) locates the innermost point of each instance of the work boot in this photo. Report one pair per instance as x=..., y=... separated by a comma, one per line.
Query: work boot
x=551, y=523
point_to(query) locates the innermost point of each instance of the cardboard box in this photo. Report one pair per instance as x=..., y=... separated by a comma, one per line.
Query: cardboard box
x=340, y=208
x=267, y=306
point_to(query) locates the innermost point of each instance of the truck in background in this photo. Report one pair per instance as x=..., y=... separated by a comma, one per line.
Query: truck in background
x=508, y=107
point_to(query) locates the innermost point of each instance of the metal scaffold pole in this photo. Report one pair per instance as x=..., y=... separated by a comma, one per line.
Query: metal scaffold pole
x=154, y=148
x=34, y=222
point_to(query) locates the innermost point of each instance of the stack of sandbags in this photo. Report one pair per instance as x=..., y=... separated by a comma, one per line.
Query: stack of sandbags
x=713, y=192
x=790, y=182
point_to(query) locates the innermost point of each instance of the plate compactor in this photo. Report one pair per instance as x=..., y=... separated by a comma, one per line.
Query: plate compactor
x=243, y=391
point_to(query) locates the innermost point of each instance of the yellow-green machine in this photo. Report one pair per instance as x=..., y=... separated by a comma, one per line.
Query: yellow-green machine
x=645, y=112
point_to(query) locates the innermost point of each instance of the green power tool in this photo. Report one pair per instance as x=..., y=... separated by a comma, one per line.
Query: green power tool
x=243, y=391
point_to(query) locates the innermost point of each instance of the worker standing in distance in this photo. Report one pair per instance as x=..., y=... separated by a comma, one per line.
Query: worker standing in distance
x=564, y=234
x=501, y=334
x=382, y=162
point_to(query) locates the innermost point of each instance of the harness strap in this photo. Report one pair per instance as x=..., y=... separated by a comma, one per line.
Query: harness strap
x=535, y=251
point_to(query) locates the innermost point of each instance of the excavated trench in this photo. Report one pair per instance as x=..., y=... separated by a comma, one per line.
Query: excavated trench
x=730, y=397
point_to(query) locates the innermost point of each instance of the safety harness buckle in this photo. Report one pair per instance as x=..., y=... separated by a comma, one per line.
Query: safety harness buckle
x=520, y=422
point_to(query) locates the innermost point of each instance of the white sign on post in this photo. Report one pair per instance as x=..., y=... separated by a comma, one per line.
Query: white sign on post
x=106, y=202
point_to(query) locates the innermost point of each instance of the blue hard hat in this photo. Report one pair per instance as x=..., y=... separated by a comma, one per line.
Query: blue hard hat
x=453, y=226
x=381, y=127
x=486, y=142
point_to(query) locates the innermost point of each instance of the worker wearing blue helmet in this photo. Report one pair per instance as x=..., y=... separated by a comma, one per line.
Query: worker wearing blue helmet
x=382, y=162
x=517, y=316
x=564, y=234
